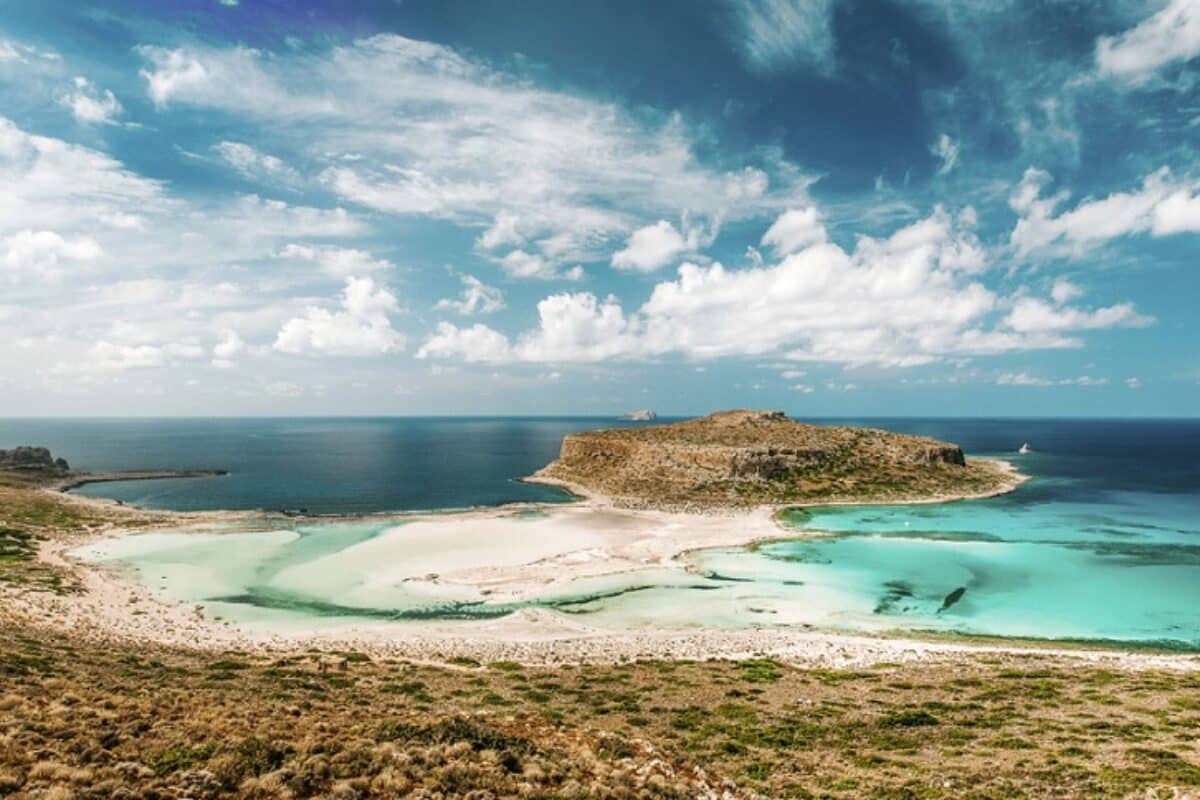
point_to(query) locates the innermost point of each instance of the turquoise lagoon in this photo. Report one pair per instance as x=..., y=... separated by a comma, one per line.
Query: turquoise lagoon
x=1102, y=544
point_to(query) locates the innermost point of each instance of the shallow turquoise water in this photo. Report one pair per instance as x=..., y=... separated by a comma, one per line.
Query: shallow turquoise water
x=1102, y=544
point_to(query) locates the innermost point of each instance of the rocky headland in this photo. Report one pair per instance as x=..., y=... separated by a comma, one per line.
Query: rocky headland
x=32, y=458
x=748, y=458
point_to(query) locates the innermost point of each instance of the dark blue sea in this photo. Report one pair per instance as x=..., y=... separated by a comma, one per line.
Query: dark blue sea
x=352, y=465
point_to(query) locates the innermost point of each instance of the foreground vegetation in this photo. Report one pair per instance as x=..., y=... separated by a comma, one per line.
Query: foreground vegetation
x=79, y=721
x=82, y=719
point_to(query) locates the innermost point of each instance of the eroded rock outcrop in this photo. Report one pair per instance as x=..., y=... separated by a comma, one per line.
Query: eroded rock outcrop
x=27, y=457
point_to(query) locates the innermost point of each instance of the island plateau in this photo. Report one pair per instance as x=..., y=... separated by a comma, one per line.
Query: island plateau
x=746, y=458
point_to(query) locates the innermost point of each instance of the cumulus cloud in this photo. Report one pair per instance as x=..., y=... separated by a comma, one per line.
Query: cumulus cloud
x=655, y=246
x=1161, y=206
x=1169, y=36
x=550, y=178
x=778, y=35
x=361, y=328
x=338, y=261
x=91, y=104
x=40, y=254
x=907, y=299
x=476, y=298
x=476, y=344
x=572, y=327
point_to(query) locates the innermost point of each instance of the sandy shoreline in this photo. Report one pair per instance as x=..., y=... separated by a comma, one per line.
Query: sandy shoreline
x=598, y=539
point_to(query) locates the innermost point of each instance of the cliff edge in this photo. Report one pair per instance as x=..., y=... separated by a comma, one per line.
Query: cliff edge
x=748, y=458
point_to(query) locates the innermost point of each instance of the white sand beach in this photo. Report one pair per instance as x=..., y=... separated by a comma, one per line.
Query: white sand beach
x=496, y=555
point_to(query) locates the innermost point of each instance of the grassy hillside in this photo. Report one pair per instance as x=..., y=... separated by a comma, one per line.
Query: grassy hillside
x=79, y=721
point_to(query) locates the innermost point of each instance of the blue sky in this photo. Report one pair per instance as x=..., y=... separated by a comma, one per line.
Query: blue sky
x=831, y=207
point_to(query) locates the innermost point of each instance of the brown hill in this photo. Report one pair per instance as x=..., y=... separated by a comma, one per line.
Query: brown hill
x=746, y=458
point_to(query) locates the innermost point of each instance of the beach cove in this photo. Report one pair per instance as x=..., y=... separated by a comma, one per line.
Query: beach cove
x=589, y=579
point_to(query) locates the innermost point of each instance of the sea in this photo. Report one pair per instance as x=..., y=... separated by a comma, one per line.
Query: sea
x=1101, y=544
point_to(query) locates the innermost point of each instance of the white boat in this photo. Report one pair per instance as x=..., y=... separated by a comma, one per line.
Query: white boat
x=1025, y=448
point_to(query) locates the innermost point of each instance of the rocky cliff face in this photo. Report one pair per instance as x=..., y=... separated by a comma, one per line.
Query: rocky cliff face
x=750, y=457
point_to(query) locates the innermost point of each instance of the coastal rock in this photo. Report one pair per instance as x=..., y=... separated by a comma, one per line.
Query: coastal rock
x=750, y=457
x=644, y=415
x=28, y=457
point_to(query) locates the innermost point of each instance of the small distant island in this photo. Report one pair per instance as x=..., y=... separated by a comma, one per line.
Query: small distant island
x=643, y=415
x=747, y=458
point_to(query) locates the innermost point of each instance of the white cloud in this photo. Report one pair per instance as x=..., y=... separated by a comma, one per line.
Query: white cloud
x=476, y=298
x=20, y=53
x=1162, y=206
x=40, y=254
x=174, y=72
x=803, y=388
x=1133, y=383
x=226, y=349
x=908, y=299
x=283, y=389
x=551, y=175
x=49, y=179
x=91, y=104
x=777, y=35
x=520, y=264
x=1178, y=213
x=255, y=164
x=1064, y=291
x=1025, y=379
x=572, y=327
x=337, y=261
x=1168, y=36
x=504, y=230
x=1031, y=315
x=478, y=343
x=794, y=230
x=118, y=356
x=655, y=246
x=109, y=356
x=361, y=328
x=945, y=149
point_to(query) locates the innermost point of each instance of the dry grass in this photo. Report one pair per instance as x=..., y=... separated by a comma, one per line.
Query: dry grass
x=105, y=723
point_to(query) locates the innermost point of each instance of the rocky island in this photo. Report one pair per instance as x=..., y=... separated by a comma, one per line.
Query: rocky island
x=747, y=458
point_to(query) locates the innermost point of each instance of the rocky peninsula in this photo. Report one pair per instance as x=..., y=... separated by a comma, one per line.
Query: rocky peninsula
x=745, y=458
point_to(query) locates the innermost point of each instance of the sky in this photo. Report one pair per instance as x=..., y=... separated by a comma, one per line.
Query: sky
x=833, y=207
